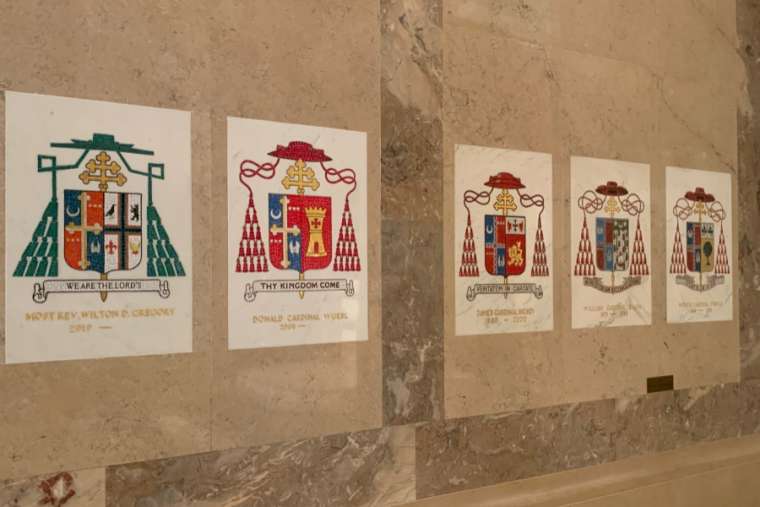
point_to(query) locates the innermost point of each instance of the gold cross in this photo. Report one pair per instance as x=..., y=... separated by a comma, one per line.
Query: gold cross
x=84, y=228
x=505, y=202
x=612, y=205
x=285, y=230
x=300, y=176
x=98, y=169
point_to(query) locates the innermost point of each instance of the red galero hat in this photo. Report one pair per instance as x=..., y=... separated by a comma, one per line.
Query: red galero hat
x=699, y=195
x=300, y=150
x=611, y=189
x=504, y=180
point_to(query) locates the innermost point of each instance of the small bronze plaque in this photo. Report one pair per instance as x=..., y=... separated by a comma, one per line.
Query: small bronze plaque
x=658, y=384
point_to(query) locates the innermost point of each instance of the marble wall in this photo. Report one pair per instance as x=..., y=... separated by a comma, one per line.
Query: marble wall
x=598, y=79
x=415, y=411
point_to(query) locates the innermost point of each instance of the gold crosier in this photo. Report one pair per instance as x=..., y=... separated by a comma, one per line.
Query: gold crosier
x=612, y=206
x=300, y=176
x=103, y=170
x=699, y=209
x=505, y=202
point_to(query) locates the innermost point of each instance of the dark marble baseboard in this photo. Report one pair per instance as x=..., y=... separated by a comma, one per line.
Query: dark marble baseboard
x=480, y=451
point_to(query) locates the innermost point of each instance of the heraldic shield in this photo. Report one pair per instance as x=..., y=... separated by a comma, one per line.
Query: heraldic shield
x=612, y=244
x=300, y=226
x=505, y=241
x=102, y=230
x=700, y=238
x=702, y=255
x=607, y=247
x=300, y=232
x=505, y=244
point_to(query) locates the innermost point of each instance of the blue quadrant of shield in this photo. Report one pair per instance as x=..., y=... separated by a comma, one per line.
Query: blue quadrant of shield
x=83, y=223
x=497, y=242
x=289, y=235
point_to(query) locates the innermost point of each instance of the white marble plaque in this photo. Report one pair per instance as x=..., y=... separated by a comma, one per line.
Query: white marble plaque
x=610, y=243
x=98, y=229
x=699, y=247
x=297, y=234
x=503, y=213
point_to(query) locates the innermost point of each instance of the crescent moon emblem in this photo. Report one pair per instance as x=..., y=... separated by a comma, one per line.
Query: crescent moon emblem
x=69, y=213
x=489, y=230
x=275, y=216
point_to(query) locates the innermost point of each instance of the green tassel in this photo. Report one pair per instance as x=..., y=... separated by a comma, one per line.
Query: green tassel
x=161, y=252
x=32, y=261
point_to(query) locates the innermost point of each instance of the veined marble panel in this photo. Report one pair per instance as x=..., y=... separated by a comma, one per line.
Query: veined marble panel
x=506, y=103
x=749, y=407
x=411, y=91
x=99, y=243
x=748, y=182
x=610, y=243
x=504, y=230
x=273, y=394
x=73, y=415
x=673, y=419
x=297, y=242
x=478, y=451
x=372, y=468
x=621, y=483
x=700, y=243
